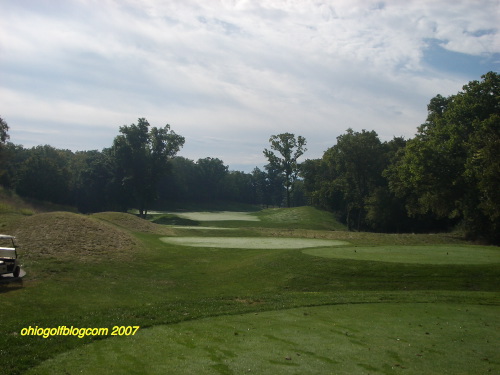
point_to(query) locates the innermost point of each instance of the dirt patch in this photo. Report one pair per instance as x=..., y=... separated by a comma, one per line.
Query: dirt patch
x=64, y=234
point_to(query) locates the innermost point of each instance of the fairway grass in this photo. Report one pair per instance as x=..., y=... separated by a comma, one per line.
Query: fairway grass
x=436, y=254
x=218, y=216
x=345, y=339
x=251, y=242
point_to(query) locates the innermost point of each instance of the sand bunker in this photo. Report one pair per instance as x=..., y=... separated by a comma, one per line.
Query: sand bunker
x=252, y=242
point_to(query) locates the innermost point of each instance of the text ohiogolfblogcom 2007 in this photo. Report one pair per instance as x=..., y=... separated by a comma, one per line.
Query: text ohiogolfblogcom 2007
x=79, y=332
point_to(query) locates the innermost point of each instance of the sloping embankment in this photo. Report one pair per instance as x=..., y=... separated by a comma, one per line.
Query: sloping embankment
x=65, y=234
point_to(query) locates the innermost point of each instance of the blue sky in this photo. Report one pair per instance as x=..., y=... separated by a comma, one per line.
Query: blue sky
x=229, y=74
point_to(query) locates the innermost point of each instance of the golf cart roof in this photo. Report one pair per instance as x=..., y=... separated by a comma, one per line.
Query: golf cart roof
x=6, y=237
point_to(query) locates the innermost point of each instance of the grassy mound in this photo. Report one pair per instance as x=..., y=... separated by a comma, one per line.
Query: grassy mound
x=131, y=222
x=299, y=217
x=67, y=235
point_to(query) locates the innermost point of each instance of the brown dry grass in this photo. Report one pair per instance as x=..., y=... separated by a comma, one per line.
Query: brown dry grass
x=64, y=234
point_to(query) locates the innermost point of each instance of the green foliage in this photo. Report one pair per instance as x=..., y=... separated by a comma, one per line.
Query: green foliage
x=141, y=156
x=349, y=181
x=211, y=172
x=450, y=169
x=285, y=150
x=4, y=128
x=45, y=175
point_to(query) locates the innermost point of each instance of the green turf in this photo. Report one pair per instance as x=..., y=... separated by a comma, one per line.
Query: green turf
x=345, y=339
x=436, y=254
x=112, y=269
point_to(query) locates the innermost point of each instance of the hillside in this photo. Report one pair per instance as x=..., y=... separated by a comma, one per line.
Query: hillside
x=305, y=217
x=69, y=235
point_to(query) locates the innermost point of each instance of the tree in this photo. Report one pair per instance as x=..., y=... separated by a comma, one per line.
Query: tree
x=357, y=160
x=210, y=173
x=141, y=155
x=4, y=128
x=237, y=186
x=288, y=149
x=4, y=136
x=45, y=175
x=94, y=188
x=450, y=169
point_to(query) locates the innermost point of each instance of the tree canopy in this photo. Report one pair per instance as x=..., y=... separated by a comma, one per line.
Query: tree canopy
x=141, y=154
x=451, y=168
x=285, y=150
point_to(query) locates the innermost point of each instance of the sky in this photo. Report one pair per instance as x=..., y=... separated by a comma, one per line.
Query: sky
x=228, y=74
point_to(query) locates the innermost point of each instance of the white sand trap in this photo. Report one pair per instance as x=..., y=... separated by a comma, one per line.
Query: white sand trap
x=217, y=216
x=252, y=242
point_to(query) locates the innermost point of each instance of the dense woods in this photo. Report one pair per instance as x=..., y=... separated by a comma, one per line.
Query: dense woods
x=447, y=175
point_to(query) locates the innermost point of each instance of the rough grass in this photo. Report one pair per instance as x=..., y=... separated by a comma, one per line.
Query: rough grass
x=65, y=235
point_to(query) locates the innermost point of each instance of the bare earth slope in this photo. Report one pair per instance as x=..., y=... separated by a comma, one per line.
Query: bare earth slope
x=64, y=234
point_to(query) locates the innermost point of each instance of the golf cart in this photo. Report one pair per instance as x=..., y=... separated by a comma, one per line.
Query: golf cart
x=8, y=256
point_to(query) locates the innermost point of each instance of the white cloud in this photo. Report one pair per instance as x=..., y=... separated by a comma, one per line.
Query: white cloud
x=235, y=70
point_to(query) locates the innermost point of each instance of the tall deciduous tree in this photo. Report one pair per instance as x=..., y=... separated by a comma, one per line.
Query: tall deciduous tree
x=358, y=160
x=4, y=136
x=142, y=154
x=451, y=168
x=285, y=150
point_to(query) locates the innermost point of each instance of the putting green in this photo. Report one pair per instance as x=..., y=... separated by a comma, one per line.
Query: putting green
x=435, y=254
x=340, y=339
x=251, y=242
x=217, y=216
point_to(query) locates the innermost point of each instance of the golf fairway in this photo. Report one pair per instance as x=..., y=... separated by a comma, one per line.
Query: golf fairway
x=435, y=254
x=340, y=339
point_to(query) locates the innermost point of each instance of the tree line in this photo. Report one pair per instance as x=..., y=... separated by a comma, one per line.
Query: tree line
x=140, y=170
x=448, y=174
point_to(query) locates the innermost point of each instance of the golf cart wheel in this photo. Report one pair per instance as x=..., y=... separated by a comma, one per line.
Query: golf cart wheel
x=17, y=271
